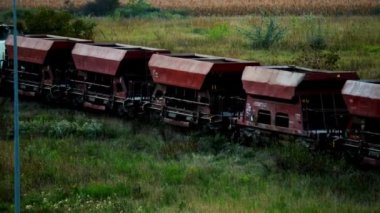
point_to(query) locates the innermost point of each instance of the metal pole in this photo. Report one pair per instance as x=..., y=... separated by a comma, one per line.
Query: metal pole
x=16, y=115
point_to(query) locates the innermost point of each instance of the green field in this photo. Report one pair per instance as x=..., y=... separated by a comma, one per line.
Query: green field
x=355, y=39
x=75, y=161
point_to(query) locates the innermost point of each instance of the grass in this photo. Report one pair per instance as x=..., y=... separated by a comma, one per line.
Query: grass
x=144, y=167
x=235, y=7
x=354, y=38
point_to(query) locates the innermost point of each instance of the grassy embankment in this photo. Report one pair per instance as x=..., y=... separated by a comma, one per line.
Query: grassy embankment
x=85, y=162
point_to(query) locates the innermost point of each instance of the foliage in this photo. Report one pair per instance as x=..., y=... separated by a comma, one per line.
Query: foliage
x=316, y=40
x=318, y=59
x=268, y=33
x=99, y=7
x=47, y=21
x=218, y=32
x=143, y=9
x=6, y=16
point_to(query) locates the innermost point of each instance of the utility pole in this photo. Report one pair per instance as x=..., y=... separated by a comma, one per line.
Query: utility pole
x=16, y=115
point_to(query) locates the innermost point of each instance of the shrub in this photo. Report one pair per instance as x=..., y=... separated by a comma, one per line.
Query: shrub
x=315, y=35
x=47, y=21
x=268, y=33
x=318, y=59
x=99, y=7
x=6, y=16
x=317, y=41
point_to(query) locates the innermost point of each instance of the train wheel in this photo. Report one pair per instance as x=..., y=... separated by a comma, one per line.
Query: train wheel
x=121, y=111
x=77, y=102
x=131, y=112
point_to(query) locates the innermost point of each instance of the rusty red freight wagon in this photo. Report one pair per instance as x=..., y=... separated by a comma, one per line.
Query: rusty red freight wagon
x=193, y=90
x=362, y=136
x=44, y=62
x=112, y=76
x=293, y=101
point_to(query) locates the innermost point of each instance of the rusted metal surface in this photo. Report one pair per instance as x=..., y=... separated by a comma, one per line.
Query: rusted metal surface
x=94, y=106
x=36, y=48
x=318, y=75
x=273, y=83
x=33, y=50
x=97, y=59
x=190, y=71
x=294, y=111
x=362, y=98
x=282, y=81
x=293, y=100
x=108, y=58
x=177, y=122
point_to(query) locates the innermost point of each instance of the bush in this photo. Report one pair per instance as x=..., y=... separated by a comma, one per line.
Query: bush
x=268, y=33
x=6, y=16
x=318, y=59
x=48, y=21
x=99, y=7
x=315, y=35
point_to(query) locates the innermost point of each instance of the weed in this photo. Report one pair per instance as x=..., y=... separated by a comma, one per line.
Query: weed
x=316, y=39
x=218, y=32
x=318, y=59
x=268, y=33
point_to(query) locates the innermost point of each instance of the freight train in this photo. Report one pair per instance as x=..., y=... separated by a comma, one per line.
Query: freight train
x=328, y=108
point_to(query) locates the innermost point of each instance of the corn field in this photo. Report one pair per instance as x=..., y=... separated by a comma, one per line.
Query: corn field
x=241, y=7
x=235, y=7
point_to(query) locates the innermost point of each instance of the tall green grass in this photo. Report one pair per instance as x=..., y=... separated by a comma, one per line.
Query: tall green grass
x=133, y=166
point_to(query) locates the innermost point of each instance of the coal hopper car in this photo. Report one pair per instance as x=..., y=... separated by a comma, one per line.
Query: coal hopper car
x=44, y=62
x=362, y=135
x=197, y=90
x=112, y=77
x=293, y=101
